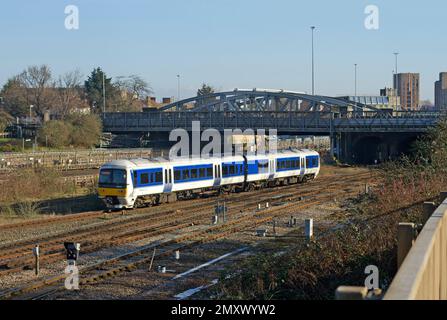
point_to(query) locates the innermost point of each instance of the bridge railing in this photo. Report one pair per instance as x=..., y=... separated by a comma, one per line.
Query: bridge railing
x=423, y=272
x=283, y=120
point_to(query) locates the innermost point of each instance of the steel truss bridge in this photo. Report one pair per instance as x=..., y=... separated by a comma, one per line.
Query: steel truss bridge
x=286, y=111
x=261, y=100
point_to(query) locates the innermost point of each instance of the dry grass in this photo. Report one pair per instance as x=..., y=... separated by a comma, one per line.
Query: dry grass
x=368, y=237
x=30, y=185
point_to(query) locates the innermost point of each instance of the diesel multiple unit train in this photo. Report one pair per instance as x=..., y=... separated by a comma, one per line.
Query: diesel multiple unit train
x=143, y=182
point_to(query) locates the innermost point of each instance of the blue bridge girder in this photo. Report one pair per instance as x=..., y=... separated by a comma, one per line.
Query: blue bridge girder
x=283, y=121
x=263, y=100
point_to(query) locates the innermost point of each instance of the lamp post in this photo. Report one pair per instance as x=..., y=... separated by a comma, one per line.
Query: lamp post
x=396, y=54
x=103, y=94
x=30, y=115
x=178, y=87
x=313, y=63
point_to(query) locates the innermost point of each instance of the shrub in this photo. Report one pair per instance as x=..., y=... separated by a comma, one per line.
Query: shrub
x=55, y=134
x=77, y=131
x=86, y=130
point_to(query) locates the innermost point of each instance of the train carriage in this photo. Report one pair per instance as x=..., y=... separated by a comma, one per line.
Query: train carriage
x=139, y=182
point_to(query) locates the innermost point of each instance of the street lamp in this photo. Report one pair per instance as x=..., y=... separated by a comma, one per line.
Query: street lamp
x=103, y=93
x=396, y=54
x=313, y=65
x=178, y=87
x=355, y=80
x=30, y=115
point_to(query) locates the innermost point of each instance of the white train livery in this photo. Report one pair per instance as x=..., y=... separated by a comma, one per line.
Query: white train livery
x=142, y=182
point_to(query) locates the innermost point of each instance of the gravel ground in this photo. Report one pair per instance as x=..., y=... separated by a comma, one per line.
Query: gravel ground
x=145, y=284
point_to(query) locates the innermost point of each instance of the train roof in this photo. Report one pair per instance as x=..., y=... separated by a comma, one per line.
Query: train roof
x=151, y=162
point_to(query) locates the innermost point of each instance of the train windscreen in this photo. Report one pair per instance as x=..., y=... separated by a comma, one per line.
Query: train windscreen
x=112, y=178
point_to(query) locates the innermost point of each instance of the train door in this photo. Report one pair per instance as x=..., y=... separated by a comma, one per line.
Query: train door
x=272, y=168
x=168, y=180
x=217, y=174
x=302, y=166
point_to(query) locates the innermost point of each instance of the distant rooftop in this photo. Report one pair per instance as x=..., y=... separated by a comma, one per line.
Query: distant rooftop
x=369, y=100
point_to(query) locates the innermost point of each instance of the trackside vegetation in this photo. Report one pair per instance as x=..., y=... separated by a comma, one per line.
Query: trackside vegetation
x=365, y=235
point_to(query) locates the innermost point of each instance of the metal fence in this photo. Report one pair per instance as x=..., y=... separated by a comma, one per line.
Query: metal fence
x=68, y=160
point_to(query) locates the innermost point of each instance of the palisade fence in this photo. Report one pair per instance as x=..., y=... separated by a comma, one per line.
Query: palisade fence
x=421, y=258
x=68, y=160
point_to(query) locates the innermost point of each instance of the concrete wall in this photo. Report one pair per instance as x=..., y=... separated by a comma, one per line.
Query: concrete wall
x=423, y=274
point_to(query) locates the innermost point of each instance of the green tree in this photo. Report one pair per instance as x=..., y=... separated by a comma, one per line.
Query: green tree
x=94, y=90
x=55, y=134
x=15, y=98
x=430, y=150
x=86, y=130
x=5, y=120
x=205, y=90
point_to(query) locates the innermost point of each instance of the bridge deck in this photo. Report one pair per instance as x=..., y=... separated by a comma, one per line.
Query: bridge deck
x=316, y=122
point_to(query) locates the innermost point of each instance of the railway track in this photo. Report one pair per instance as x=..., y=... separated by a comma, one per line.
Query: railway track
x=120, y=263
x=96, y=214
x=114, y=266
x=19, y=254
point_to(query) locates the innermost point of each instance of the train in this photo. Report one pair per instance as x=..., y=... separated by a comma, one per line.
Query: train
x=127, y=184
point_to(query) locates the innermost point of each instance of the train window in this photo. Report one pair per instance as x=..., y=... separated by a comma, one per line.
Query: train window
x=158, y=176
x=194, y=174
x=209, y=172
x=232, y=169
x=135, y=178
x=185, y=174
x=144, y=178
x=225, y=170
x=307, y=163
x=263, y=164
x=201, y=172
x=177, y=175
x=288, y=164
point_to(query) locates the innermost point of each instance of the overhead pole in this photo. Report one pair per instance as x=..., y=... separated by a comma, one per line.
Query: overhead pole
x=396, y=54
x=313, y=61
x=104, y=94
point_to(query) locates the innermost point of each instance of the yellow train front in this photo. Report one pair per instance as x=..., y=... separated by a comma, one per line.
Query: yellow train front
x=115, y=185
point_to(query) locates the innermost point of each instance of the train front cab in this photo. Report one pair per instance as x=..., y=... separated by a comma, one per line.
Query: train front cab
x=115, y=187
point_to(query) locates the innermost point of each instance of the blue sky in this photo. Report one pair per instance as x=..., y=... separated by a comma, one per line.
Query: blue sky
x=230, y=43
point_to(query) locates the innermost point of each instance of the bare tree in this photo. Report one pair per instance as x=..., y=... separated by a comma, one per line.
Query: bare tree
x=133, y=90
x=136, y=86
x=39, y=87
x=69, y=95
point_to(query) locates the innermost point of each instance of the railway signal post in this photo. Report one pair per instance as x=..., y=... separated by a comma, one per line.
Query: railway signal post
x=36, y=253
